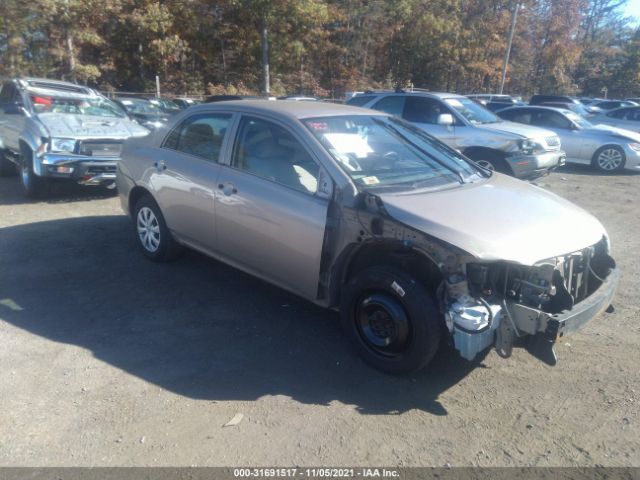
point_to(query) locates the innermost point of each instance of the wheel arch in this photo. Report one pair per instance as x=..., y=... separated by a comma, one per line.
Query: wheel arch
x=480, y=153
x=135, y=195
x=390, y=253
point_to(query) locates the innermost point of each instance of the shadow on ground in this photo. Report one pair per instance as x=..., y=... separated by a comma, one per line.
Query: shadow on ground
x=58, y=192
x=195, y=327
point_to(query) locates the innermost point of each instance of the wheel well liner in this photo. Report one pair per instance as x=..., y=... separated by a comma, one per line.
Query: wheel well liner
x=385, y=253
x=136, y=194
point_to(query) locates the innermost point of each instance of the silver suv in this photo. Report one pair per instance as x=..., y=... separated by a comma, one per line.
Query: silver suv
x=473, y=130
x=59, y=130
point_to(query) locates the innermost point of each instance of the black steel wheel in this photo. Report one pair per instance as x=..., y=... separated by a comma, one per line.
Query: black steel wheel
x=391, y=319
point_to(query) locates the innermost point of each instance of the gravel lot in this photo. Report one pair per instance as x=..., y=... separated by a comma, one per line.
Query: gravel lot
x=109, y=359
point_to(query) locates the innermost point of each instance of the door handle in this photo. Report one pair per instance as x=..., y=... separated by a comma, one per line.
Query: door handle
x=160, y=166
x=227, y=188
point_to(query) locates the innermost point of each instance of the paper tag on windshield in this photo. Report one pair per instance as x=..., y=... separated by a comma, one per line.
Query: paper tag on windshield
x=370, y=180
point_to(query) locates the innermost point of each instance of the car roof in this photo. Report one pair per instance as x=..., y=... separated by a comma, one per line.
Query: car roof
x=441, y=95
x=541, y=107
x=286, y=108
x=43, y=85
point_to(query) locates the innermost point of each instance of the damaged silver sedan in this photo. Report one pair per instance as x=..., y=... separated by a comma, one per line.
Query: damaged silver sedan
x=361, y=212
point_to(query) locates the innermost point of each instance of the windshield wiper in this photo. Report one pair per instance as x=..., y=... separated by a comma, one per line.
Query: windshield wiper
x=432, y=157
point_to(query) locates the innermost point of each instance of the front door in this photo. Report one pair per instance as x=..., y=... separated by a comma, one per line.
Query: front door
x=185, y=177
x=269, y=219
x=424, y=113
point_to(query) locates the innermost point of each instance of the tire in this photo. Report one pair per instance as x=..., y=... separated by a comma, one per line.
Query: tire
x=152, y=235
x=33, y=185
x=7, y=167
x=491, y=162
x=609, y=159
x=391, y=319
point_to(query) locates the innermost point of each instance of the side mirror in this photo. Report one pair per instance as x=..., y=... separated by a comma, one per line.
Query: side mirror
x=325, y=185
x=445, y=119
x=13, y=109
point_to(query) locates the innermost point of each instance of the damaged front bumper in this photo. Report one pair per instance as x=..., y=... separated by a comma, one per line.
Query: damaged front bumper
x=476, y=323
x=85, y=170
x=535, y=165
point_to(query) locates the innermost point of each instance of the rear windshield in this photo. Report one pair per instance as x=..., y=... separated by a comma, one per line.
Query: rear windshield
x=386, y=152
x=359, y=100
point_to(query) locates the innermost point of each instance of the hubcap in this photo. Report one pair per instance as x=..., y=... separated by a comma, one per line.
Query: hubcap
x=383, y=325
x=148, y=229
x=485, y=164
x=609, y=159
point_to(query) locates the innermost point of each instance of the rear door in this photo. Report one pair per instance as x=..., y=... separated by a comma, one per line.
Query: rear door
x=270, y=217
x=185, y=177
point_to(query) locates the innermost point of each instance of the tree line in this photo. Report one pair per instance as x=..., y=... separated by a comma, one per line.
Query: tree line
x=324, y=47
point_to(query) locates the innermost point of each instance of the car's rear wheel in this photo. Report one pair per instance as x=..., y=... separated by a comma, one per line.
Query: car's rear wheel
x=33, y=185
x=486, y=165
x=153, y=236
x=7, y=167
x=391, y=319
x=609, y=159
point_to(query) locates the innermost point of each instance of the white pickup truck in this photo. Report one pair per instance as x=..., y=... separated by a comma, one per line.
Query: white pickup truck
x=58, y=130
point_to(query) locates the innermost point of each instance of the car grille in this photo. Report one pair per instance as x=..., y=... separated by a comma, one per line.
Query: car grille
x=553, y=142
x=100, y=149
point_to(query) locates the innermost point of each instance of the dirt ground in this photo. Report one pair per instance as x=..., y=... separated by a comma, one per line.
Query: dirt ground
x=108, y=359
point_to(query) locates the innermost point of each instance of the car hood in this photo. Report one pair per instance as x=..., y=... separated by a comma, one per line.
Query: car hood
x=517, y=129
x=619, y=132
x=500, y=218
x=69, y=125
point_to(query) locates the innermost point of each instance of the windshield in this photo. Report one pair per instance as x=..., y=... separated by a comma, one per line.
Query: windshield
x=141, y=106
x=579, y=119
x=97, y=106
x=470, y=110
x=386, y=152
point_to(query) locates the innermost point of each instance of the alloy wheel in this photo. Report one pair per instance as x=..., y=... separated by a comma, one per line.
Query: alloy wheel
x=148, y=229
x=610, y=159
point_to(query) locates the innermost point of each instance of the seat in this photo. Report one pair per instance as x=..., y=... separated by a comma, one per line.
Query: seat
x=199, y=139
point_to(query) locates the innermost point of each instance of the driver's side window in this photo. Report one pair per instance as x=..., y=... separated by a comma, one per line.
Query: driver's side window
x=551, y=119
x=423, y=110
x=269, y=151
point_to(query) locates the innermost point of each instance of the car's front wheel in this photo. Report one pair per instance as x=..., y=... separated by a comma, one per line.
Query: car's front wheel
x=153, y=236
x=609, y=159
x=391, y=319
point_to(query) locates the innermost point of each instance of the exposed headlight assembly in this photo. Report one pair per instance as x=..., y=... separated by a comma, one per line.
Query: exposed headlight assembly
x=530, y=146
x=63, y=145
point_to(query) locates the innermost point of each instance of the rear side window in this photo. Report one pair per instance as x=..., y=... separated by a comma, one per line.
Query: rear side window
x=200, y=136
x=360, y=100
x=392, y=105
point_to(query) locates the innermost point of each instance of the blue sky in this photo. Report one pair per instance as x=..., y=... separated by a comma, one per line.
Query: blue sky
x=633, y=9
